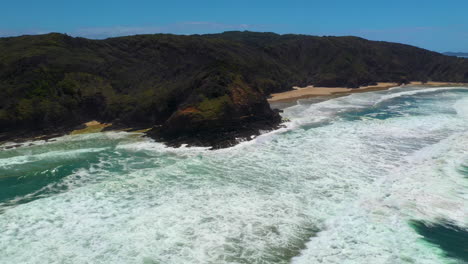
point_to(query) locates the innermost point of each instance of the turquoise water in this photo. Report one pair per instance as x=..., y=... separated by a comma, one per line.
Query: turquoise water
x=378, y=177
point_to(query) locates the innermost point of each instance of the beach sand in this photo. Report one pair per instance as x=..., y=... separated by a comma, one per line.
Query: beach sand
x=311, y=91
x=96, y=126
x=91, y=127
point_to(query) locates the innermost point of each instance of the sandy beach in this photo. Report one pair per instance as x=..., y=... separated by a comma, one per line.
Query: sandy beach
x=91, y=127
x=311, y=91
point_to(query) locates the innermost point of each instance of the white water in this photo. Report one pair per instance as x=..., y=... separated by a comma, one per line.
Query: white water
x=337, y=185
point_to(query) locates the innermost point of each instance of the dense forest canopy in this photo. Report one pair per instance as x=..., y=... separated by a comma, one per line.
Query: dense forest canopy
x=186, y=85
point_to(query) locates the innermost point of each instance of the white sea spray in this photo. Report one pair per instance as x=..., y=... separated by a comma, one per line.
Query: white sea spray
x=338, y=184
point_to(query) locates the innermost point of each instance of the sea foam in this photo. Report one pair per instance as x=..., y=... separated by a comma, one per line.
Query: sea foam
x=338, y=184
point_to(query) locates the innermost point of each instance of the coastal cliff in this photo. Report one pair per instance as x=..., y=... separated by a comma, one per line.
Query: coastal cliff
x=206, y=90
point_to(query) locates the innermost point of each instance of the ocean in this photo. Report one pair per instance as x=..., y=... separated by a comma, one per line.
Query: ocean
x=376, y=177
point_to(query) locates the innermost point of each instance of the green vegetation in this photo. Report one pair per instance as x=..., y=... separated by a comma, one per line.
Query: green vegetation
x=55, y=81
x=213, y=108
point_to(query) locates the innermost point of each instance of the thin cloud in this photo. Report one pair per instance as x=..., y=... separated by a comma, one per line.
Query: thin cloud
x=12, y=33
x=191, y=27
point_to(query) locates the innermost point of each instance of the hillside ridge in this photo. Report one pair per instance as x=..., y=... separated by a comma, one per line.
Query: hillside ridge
x=204, y=90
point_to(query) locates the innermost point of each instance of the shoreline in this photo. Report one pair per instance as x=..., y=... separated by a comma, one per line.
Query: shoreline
x=311, y=91
x=288, y=98
x=90, y=127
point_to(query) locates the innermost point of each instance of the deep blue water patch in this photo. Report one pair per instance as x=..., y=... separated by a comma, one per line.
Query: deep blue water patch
x=36, y=179
x=452, y=239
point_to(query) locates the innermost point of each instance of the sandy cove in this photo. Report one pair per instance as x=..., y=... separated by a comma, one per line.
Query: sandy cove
x=311, y=91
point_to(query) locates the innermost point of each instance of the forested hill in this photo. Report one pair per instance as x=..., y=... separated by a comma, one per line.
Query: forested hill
x=199, y=89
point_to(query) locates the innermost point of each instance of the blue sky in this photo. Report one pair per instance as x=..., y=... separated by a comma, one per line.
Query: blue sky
x=431, y=24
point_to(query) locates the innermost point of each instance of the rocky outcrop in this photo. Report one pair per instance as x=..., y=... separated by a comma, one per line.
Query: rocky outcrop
x=221, y=121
